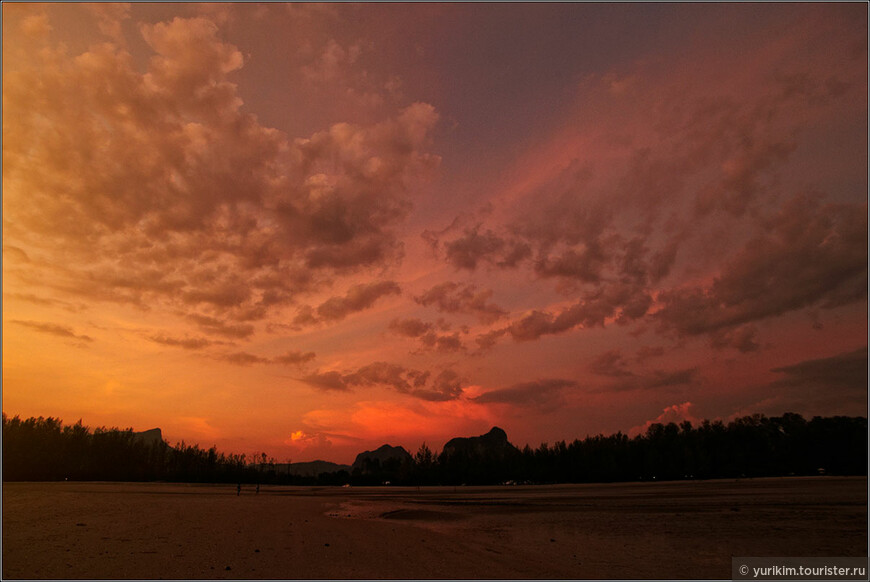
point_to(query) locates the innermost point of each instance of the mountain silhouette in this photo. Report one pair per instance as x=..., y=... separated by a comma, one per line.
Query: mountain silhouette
x=492, y=444
x=383, y=455
x=149, y=437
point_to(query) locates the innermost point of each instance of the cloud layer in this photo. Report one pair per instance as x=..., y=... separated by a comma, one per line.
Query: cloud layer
x=446, y=385
x=466, y=229
x=161, y=189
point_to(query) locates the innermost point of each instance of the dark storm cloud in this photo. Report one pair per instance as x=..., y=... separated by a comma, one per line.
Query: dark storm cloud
x=742, y=338
x=447, y=342
x=616, y=271
x=358, y=298
x=215, y=326
x=382, y=373
x=450, y=297
x=564, y=210
x=741, y=182
x=304, y=317
x=291, y=358
x=38, y=300
x=655, y=379
x=808, y=255
x=326, y=381
x=220, y=294
x=662, y=260
x=611, y=229
x=244, y=359
x=804, y=254
x=427, y=334
x=665, y=378
x=646, y=352
x=846, y=371
x=188, y=343
x=447, y=385
x=539, y=393
x=486, y=341
x=585, y=265
x=473, y=247
x=349, y=255
x=411, y=327
x=466, y=251
x=625, y=302
x=611, y=363
x=294, y=358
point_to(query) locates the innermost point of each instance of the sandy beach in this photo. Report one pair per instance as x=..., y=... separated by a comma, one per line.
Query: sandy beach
x=634, y=530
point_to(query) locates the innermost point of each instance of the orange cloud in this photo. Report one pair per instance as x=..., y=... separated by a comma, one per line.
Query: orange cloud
x=403, y=423
x=192, y=203
x=53, y=329
x=628, y=221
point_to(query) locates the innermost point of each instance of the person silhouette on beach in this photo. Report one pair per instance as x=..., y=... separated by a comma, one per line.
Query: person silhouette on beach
x=258, y=488
x=238, y=489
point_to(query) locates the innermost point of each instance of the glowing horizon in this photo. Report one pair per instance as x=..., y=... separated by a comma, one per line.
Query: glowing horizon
x=312, y=229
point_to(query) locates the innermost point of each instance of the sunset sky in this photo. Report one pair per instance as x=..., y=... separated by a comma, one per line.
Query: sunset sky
x=310, y=230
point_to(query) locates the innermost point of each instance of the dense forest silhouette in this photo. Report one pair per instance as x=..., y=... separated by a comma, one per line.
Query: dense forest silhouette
x=43, y=449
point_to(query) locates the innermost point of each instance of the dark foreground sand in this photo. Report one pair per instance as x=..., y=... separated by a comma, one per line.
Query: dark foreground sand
x=637, y=530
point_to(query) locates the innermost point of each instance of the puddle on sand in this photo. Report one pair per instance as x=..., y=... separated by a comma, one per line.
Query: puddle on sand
x=356, y=510
x=428, y=518
x=421, y=514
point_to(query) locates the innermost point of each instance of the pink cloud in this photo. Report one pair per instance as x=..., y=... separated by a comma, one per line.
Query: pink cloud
x=676, y=413
x=627, y=210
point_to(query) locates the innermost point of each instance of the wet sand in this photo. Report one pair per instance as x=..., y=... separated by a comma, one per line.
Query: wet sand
x=635, y=530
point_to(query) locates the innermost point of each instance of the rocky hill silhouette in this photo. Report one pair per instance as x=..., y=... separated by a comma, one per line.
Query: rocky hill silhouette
x=149, y=437
x=383, y=456
x=493, y=444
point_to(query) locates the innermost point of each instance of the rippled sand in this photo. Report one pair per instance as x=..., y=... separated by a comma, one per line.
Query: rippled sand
x=636, y=530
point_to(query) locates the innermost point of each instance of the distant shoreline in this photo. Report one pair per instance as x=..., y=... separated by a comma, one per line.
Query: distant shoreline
x=499, y=486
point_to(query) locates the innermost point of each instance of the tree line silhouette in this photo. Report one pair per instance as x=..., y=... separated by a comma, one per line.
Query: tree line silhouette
x=43, y=449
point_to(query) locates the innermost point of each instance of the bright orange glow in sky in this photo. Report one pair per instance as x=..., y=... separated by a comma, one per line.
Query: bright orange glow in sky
x=310, y=229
